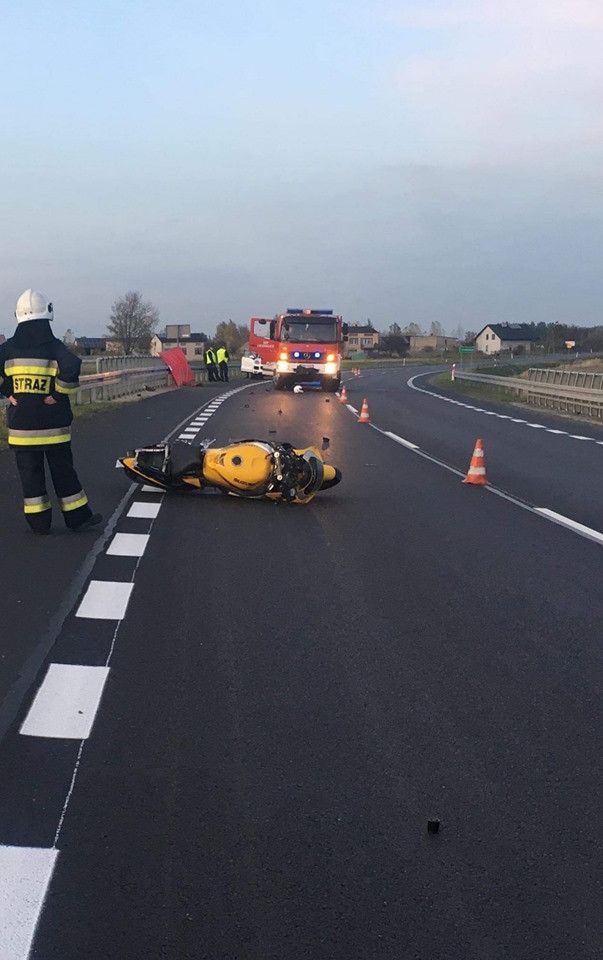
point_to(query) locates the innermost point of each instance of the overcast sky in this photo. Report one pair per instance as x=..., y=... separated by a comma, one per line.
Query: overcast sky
x=403, y=161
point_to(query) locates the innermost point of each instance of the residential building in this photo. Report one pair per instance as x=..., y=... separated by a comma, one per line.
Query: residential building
x=496, y=337
x=432, y=344
x=90, y=345
x=193, y=344
x=361, y=338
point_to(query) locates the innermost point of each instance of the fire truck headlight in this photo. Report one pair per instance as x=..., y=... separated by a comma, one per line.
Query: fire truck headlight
x=330, y=356
x=283, y=356
x=330, y=368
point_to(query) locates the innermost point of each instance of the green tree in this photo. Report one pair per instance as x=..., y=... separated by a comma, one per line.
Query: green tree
x=233, y=336
x=132, y=322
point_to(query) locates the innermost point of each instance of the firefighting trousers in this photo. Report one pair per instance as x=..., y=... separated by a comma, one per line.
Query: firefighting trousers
x=36, y=503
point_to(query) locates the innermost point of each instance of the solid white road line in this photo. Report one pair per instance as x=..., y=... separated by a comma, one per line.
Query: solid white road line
x=405, y=443
x=128, y=545
x=66, y=703
x=143, y=510
x=351, y=408
x=149, y=488
x=572, y=524
x=25, y=874
x=105, y=600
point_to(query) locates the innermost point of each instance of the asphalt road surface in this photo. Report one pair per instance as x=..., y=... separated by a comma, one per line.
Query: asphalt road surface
x=249, y=715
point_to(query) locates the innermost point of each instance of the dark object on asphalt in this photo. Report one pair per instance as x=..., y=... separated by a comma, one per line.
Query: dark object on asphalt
x=280, y=413
x=92, y=521
x=272, y=431
x=327, y=401
x=433, y=825
x=325, y=443
x=246, y=406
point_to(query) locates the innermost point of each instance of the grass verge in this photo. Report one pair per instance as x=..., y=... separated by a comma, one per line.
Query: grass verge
x=485, y=391
x=479, y=391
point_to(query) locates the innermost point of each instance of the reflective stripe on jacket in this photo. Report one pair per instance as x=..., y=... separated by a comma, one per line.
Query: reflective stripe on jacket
x=34, y=366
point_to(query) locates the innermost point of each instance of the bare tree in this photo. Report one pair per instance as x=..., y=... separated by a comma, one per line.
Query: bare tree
x=413, y=330
x=459, y=332
x=436, y=329
x=132, y=322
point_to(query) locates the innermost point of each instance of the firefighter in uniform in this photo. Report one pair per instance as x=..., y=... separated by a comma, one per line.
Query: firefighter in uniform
x=223, y=358
x=212, y=365
x=37, y=374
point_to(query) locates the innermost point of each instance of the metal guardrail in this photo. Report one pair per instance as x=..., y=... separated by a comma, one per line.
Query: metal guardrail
x=567, y=377
x=114, y=363
x=587, y=401
x=95, y=388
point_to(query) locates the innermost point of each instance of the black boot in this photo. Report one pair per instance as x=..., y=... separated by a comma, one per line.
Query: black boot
x=92, y=521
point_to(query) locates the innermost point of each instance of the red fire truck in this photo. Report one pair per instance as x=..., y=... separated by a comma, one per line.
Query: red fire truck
x=299, y=346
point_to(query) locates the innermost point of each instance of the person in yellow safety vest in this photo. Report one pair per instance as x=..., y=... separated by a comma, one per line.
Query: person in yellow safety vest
x=223, y=358
x=38, y=374
x=211, y=363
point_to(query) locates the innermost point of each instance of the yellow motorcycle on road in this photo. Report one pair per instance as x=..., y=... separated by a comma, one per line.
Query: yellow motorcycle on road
x=253, y=469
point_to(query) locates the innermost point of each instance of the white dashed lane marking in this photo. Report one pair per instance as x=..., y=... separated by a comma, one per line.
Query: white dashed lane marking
x=550, y=515
x=128, y=545
x=144, y=510
x=493, y=413
x=66, y=703
x=105, y=600
x=571, y=524
x=401, y=440
x=25, y=873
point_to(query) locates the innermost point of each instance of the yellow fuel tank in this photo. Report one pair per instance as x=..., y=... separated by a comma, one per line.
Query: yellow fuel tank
x=241, y=466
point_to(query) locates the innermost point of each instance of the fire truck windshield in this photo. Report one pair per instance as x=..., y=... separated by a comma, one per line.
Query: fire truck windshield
x=311, y=331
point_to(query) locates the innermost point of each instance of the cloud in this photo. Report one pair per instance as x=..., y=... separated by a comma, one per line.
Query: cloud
x=525, y=79
x=539, y=14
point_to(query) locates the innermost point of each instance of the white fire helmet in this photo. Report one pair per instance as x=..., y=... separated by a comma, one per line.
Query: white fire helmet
x=33, y=305
x=298, y=388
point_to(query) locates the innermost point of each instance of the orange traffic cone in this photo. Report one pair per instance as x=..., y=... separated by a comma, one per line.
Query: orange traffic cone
x=364, y=414
x=477, y=467
x=343, y=396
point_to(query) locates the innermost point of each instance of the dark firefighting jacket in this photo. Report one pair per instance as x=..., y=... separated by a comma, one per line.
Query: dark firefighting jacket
x=35, y=365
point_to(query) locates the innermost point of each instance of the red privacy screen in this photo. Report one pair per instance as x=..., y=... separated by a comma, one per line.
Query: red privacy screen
x=179, y=366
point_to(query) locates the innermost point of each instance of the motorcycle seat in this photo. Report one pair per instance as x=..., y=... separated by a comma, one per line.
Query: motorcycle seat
x=185, y=461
